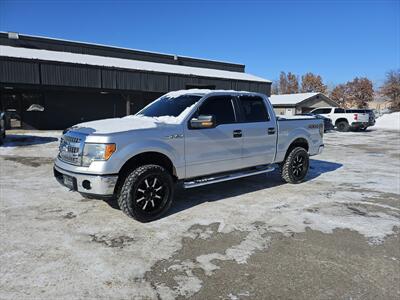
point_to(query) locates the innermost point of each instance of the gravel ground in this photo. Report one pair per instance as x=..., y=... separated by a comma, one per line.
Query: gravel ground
x=335, y=236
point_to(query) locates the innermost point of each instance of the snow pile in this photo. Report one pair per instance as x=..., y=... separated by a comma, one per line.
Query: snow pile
x=388, y=121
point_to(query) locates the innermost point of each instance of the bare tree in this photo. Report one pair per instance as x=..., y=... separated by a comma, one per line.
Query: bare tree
x=391, y=88
x=356, y=93
x=312, y=83
x=339, y=95
x=283, y=83
x=288, y=84
x=275, y=87
x=293, y=84
x=359, y=92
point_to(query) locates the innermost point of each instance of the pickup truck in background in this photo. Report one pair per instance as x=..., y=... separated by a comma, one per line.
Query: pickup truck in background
x=371, y=115
x=328, y=126
x=191, y=137
x=344, y=119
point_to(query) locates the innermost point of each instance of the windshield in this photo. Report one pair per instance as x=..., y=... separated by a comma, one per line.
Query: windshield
x=167, y=106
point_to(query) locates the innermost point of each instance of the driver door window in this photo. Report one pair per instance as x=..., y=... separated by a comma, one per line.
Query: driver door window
x=221, y=108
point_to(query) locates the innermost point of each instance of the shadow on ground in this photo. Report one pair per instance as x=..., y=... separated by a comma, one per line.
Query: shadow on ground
x=22, y=140
x=186, y=199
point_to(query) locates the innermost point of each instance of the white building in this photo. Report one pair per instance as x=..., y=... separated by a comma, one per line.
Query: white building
x=292, y=104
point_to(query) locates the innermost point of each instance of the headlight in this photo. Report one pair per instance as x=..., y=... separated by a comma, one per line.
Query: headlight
x=92, y=152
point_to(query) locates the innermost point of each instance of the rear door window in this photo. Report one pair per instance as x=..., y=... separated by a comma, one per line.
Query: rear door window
x=339, y=111
x=253, y=108
x=221, y=107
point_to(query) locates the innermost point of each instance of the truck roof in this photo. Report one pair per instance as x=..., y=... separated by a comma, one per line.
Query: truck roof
x=203, y=92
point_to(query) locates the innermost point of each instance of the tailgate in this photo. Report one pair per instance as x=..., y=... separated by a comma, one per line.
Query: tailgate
x=361, y=117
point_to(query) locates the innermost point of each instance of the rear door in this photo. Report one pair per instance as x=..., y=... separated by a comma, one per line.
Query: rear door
x=218, y=149
x=259, y=131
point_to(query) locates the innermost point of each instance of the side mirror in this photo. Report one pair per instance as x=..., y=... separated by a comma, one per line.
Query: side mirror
x=203, y=121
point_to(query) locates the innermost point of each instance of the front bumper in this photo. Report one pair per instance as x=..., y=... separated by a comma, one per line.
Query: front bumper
x=102, y=185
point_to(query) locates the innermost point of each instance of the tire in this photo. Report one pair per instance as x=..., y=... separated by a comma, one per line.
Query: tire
x=295, y=167
x=364, y=129
x=147, y=193
x=342, y=126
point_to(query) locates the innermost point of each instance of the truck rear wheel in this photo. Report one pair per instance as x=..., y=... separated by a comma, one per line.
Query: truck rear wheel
x=147, y=193
x=342, y=126
x=295, y=167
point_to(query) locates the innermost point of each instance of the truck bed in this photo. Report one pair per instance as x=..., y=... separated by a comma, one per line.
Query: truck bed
x=291, y=127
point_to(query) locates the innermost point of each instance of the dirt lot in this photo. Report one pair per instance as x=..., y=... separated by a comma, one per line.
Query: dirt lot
x=335, y=236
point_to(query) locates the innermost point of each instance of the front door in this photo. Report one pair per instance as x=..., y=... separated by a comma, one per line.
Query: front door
x=218, y=149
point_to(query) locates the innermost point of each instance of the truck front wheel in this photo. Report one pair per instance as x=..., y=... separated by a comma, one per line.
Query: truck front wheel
x=295, y=167
x=147, y=193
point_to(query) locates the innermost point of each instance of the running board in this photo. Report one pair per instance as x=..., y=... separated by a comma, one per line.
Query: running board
x=220, y=178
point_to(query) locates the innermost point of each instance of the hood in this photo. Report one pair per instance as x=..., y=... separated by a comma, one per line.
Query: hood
x=115, y=125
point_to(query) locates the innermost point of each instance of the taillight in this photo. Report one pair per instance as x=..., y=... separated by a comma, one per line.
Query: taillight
x=356, y=117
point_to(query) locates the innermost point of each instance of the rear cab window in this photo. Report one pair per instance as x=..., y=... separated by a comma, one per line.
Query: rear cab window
x=253, y=109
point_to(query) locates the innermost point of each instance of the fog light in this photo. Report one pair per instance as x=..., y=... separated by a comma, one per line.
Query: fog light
x=86, y=184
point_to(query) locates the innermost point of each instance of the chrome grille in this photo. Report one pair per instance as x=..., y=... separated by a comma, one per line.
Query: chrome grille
x=71, y=139
x=70, y=148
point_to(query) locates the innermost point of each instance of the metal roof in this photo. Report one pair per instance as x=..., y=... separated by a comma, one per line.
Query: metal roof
x=67, y=57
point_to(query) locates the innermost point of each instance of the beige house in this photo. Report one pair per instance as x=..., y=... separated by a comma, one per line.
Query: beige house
x=294, y=104
x=380, y=103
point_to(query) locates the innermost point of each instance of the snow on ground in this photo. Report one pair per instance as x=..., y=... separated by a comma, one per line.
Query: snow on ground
x=388, y=121
x=50, y=235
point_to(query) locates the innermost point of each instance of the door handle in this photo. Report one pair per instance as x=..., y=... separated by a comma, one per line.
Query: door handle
x=237, y=133
x=271, y=130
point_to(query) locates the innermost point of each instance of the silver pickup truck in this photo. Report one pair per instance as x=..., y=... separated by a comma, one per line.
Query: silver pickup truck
x=191, y=137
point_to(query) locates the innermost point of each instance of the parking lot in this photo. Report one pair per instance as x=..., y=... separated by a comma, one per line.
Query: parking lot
x=335, y=236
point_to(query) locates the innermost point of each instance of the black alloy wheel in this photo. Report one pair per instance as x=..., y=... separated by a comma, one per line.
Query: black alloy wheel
x=300, y=165
x=151, y=194
x=295, y=167
x=146, y=193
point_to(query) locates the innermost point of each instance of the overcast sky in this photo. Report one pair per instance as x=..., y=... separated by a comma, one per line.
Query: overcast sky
x=336, y=39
